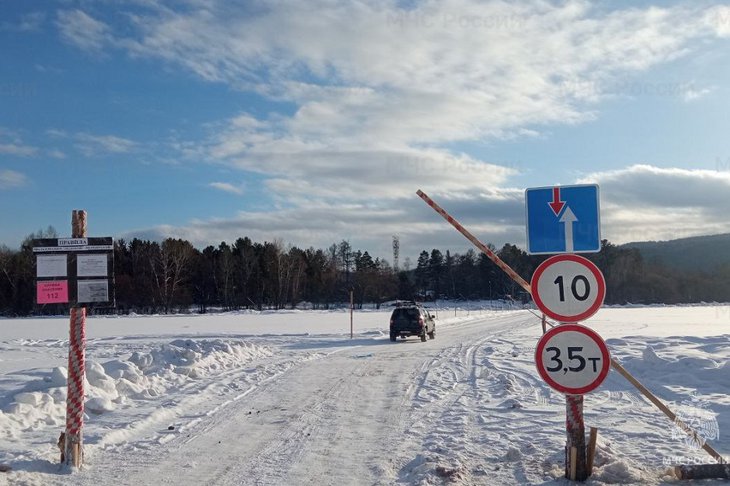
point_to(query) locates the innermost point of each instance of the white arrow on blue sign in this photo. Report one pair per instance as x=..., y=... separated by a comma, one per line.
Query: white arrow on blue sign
x=563, y=219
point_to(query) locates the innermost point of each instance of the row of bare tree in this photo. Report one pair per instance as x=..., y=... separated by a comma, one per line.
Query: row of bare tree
x=172, y=276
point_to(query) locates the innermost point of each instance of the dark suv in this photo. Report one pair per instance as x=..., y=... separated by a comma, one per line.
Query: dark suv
x=410, y=319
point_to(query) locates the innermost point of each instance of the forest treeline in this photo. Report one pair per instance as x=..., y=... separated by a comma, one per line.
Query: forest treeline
x=174, y=276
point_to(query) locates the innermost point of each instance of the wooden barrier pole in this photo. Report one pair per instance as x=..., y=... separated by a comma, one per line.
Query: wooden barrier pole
x=352, y=310
x=614, y=363
x=703, y=471
x=490, y=254
x=73, y=446
x=672, y=416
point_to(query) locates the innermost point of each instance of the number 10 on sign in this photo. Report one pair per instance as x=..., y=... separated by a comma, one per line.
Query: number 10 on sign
x=568, y=288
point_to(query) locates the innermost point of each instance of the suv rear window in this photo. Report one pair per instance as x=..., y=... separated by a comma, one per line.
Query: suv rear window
x=406, y=313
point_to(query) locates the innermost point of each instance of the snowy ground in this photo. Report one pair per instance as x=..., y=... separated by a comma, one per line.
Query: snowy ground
x=288, y=398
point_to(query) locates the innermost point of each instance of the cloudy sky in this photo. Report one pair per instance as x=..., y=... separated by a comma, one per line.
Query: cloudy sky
x=317, y=121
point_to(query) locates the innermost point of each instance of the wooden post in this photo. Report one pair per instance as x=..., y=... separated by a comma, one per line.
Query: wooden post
x=572, y=464
x=352, y=310
x=544, y=324
x=592, y=449
x=73, y=446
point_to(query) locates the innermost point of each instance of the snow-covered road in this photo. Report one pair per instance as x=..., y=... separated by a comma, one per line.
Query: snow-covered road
x=322, y=411
x=288, y=398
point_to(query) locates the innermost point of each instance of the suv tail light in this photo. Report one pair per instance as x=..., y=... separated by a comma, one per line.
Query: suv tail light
x=420, y=321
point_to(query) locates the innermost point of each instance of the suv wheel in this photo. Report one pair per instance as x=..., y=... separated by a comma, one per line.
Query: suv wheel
x=423, y=336
x=432, y=334
x=393, y=337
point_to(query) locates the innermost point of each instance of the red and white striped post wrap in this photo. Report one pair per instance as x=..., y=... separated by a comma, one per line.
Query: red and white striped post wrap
x=492, y=256
x=576, y=432
x=76, y=367
x=76, y=375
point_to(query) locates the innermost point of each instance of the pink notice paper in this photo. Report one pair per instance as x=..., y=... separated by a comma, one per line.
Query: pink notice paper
x=52, y=292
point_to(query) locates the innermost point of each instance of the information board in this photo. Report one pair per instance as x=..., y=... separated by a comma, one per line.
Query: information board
x=75, y=271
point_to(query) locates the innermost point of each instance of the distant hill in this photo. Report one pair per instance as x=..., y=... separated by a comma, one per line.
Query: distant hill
x=702, y=253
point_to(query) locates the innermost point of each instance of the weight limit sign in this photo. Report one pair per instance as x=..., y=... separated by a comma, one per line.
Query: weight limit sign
x=568, y=288
x=572, y=359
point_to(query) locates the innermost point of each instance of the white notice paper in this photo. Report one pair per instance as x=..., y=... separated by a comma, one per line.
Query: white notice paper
x=52, y=265
x=94, y=265
x=93, y=291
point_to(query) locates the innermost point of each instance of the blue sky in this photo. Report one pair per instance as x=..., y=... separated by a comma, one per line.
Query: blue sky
x=314, y=122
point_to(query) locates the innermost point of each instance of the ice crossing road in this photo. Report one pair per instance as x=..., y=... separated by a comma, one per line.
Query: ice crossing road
x=323, y=411
x=238, y=398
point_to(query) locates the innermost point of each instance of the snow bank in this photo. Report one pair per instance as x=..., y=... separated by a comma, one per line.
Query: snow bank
x=142, y=376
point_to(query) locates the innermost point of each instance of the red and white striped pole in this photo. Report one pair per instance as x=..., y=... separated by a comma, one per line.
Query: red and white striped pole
x=76, y=367
x=475, y=241
x=575, y=449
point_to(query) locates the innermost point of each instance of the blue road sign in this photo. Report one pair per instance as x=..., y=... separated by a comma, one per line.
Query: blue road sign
x=563, y=219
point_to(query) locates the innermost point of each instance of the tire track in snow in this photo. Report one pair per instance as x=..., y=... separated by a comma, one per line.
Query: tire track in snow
x=458, y=394
x=196, y=412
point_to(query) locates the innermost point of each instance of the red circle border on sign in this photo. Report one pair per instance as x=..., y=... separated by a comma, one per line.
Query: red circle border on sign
x=577, y=259
x=605, y=354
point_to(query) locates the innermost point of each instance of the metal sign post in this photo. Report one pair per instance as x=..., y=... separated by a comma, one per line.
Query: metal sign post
x=571, y=359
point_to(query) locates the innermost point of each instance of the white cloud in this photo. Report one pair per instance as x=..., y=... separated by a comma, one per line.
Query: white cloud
x=56, y=133
x=437, y=72
x=325, y=168
x=56, y=154
x=380, y=91
x=14, y=145
x=227, y=187
x=16, y=149
x=638, y=203
x=692, y=94
x=10, y=179
x=381, y=95
x=80, y=29
x=718, y=19
x=496, y=218
x=92, y=145
x=30, y=22
x=643, y=202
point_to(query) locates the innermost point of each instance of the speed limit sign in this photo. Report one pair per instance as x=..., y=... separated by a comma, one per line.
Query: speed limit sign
x=568, y=288
x=572, y=359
